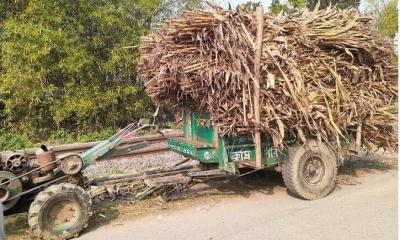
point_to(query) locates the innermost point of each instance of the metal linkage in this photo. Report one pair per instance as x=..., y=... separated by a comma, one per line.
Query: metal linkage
x=38, y=187
x=27, y=173
x=107, y=145
x=104, y=149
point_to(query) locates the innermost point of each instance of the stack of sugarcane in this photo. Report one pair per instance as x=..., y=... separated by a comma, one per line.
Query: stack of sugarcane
x=323, y=74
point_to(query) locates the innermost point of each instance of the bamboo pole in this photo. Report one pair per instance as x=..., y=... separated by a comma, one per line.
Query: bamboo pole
x=358, y=137
x=256, y=81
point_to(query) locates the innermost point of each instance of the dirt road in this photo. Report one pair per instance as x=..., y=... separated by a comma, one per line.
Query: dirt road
x=364, y=211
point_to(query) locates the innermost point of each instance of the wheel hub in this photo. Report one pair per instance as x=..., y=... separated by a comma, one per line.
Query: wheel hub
x=71, y=165
x=63, y=215
x=313, y=170
x=9, y=189
x=16, y=163
x=4, y=194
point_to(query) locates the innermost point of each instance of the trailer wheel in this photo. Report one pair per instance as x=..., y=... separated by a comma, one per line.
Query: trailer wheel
x=310, y=173
x=59, y=212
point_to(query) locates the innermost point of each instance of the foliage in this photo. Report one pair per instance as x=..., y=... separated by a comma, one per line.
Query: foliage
x=292, y=6
x=64, y=65
x=61, y=136
x=173, y=8
x=9, y=141
x=11, y=7
x=251, y=6
x=339, y=3
x=68, y=67
x=95, y=136
x=277, y=7
x=387, y=21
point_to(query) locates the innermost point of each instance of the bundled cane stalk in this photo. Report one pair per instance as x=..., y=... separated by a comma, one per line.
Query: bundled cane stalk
x=323, y=74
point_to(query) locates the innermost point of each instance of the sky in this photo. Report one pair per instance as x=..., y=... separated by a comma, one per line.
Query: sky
x=266, y=3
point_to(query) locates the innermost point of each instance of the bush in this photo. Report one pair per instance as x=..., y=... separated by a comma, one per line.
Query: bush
x=64, y=65
x=10, y=141
x=62, y=136
x=95, y=136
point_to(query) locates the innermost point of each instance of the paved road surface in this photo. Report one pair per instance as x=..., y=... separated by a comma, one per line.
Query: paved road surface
x=364, y=211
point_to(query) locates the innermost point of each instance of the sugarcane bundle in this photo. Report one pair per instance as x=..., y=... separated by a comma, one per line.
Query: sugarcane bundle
x=323, y=74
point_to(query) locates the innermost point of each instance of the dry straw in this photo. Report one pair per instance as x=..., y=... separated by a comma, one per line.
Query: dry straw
x=323, y=73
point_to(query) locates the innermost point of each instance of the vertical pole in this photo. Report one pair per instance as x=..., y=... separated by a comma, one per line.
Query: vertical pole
x=257, y=62
x=358, y=137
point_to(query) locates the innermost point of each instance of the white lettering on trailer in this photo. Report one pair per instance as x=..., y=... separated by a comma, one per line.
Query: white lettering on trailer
x=271, y=152
x=240, y=155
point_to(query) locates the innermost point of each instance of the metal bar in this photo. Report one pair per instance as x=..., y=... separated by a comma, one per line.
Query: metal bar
x=27, y=173
x=256, y=100
x=80, y=147
x=37, y=187
x=103, y=147
x=179, y=163
x=144, y=151
x=241, y=175
x=97, y=151
x=130, y=134
x=109, y=144
x=123, y=150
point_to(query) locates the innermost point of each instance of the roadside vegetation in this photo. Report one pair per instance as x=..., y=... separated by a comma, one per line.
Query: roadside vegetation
x=68, y=68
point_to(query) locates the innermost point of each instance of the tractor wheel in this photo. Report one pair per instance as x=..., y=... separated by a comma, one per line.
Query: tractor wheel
x=59, y=212
x=310, y=172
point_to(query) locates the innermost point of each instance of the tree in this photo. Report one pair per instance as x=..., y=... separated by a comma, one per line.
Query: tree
x=386, y=17
x=277, y=7
x=71, y=64
x=64, y=65
x=11, y=7
x=339, y=3
x=291, y=7
x=173, y=8
x=251, y=6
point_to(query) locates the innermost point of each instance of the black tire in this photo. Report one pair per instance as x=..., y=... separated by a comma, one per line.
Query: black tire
x=310, y=171
x=59, y=212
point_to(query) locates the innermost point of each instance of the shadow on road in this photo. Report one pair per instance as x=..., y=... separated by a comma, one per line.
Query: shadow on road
x=264, y=182
x=267, y=182
x=354, y=167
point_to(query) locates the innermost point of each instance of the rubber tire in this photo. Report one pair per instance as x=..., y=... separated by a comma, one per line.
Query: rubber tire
x=36, y=216
x=292, y=166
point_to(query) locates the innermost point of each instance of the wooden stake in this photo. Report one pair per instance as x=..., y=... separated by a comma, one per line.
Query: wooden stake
x=256, y=81
x=358, y=137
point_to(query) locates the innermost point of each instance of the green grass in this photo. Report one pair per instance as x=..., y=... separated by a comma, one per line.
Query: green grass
x=16, y=225
x=11, y=141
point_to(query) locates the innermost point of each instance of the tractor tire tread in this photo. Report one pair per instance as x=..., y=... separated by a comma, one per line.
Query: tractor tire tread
x=289, y=170
x=49, y=193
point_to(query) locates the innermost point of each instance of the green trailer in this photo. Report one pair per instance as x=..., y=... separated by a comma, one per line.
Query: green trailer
x=309, y=170
x=204, y=144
